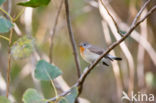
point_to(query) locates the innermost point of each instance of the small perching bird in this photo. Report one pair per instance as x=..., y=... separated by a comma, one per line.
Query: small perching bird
x=91, y=53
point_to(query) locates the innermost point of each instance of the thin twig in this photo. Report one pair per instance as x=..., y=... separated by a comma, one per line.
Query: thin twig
x=116, y=25
x=9, y=63
x=1, y=36
x=60, y=95
x=9, y=47
x=52, y=33
x=90, y=68
x=19, y=14
x=6, y=14
x=71, y=35
x=140, y=11
x=148, y=13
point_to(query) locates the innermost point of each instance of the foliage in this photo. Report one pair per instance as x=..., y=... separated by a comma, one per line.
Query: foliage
x=32, y=96
x=5, y=25
x=23, y=47
x=46, y=71
x=35, y=3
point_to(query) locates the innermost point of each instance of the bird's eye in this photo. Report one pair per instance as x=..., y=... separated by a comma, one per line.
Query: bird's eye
x=84, y=44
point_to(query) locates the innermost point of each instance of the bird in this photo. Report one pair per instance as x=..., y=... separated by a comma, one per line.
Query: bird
x=90, y=53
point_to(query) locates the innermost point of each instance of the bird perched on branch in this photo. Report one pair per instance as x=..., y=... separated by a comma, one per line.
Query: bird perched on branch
x=91, y=53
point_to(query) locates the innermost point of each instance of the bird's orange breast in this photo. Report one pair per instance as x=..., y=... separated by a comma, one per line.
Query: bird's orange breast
x=82, y=49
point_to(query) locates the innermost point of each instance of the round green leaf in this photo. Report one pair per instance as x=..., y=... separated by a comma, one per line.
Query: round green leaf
x=46, y=71
x=23, y=47
x=32, y=96
x=5, y=25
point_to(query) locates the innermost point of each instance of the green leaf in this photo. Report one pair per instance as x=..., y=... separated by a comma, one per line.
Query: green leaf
x=2, y=1
x=5, y=25
x=35, y=3
x=46, y=71
x=70, y=98
x=32, y=96
x=4, y=100
x=23, y=47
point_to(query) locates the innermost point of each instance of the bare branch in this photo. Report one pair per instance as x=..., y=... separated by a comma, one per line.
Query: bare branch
x=9, y=50
x=81, y=80
x=148, y=13
x=71, y=35
x=140, y=11
x=52, y=32
x=9, y=63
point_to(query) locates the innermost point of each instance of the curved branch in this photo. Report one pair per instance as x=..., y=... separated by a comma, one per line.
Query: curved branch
x=71, y=35
x=141, y=10
x=9, y=63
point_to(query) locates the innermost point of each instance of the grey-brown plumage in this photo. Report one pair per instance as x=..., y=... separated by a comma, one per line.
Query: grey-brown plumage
x=96, y=50
x=91, y=50
x=99, y=51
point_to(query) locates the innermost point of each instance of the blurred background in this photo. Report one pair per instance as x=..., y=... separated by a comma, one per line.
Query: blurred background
x=136, y=72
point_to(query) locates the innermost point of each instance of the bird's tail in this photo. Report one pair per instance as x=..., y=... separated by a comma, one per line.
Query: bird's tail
x=117, y=58
x=106, y=60
x=113, y=57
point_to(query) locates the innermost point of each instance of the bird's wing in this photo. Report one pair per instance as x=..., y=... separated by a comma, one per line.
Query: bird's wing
x=99, y=51
x=96, y=50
